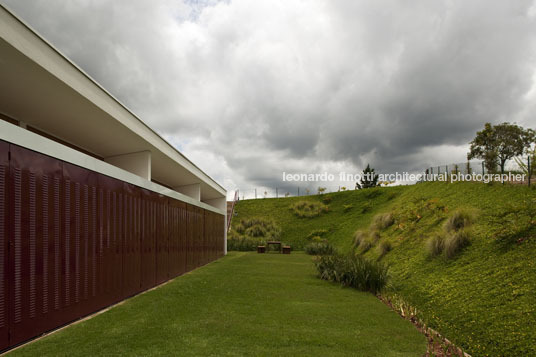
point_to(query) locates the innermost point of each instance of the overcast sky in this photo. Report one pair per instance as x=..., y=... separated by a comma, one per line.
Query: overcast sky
x=249, y=89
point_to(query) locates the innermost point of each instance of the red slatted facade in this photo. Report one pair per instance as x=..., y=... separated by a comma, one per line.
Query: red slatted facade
x=73, y=241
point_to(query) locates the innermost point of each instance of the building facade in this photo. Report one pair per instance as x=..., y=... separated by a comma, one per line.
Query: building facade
x=95, y=206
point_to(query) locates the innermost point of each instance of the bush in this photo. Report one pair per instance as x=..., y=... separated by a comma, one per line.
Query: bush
x=247, y=234
x=383, y=248
x=459, y=220
x=375, y=236
x=359, y=237
x=435, y=245
x=319, y=248
x=382, y=221
x=365, y=246
x=243, y=244
x=353, y=271
x=308, y=209
x=455, y=242
x=327, y=199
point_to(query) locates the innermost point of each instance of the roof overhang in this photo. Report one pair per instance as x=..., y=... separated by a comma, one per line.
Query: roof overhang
x=44, y=89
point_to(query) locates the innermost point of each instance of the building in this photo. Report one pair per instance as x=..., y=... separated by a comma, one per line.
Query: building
x=94, y=205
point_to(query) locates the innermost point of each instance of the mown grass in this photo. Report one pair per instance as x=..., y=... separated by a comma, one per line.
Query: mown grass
x=482, y=295
x=243, y=304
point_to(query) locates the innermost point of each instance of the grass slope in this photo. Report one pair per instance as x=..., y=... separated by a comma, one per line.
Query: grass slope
x=243, y=304
x=484, y=299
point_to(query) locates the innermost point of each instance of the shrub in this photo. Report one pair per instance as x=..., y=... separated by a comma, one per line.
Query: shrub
x=347, y=208
x=435, y=245
x=354, y=271
x=459, y=220
x=359, y=237
x=249, y=233
x=327, y=199
x=382, y=221
x=308, y=209
x=319, y=248
x=455, y=242
x=383, y=248
x=243, y=244
x=365, y=246
x=375, y=236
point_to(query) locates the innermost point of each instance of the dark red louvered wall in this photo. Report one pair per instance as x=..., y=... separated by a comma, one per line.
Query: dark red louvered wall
x=73, y=241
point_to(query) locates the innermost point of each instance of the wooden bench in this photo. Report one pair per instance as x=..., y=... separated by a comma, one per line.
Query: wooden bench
x=261, y=249
x=286, y=249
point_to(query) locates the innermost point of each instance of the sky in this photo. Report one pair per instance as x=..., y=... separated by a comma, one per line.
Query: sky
x=251, y=89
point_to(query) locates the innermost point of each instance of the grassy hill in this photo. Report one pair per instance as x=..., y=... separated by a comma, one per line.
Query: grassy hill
x=483, y=298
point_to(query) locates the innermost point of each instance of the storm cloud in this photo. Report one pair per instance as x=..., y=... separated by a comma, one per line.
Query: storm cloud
x=249, y=89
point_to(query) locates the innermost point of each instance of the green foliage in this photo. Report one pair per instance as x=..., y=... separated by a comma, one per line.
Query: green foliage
x=359, y=237
x=252, y=232
x=496, y=144
x=365, y=246
x=383, y=248
x=308, y=209
x=482, y=300
x=319, y=248
x=382, y=221
x=353, y=271
x=459, y=220
x=435, y=245
x=455, y=241
x=347, y=208
x=366, y=207
x=369, y=178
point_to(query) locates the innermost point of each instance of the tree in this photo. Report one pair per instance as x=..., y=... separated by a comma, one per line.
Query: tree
x=499, y=143
x=368, y=179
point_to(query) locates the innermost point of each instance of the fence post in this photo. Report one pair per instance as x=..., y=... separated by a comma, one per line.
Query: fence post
x=529, y=169
x=483, y=168
x=298, y=191
x=432, y=173
x=255, y=193
x=276, y=193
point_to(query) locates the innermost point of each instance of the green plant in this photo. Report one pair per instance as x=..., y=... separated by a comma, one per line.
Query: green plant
x=435, y=245
x=382, y=221
x=383, y=248
x=455, y=242
x=366, y=207
x=459, y=220
x=353, y=271
x=308, y=209
x=249, y=233
x=359, y=237
x=319, y=248
x=365, y=246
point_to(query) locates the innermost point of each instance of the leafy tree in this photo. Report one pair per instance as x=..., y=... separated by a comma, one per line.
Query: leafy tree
x=499, y=143
x=321, y=190
x=368, y=179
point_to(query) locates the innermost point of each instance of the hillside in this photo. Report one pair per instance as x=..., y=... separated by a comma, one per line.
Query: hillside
x=484, y=298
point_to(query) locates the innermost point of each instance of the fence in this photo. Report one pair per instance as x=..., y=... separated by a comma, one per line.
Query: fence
x=520, y=165
x=281, y=192
x=73, y=241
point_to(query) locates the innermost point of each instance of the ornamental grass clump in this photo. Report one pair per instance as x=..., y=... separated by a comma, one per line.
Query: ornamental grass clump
x=309, y=209
x=319, y=248
x=382, y=221
x=354, y=271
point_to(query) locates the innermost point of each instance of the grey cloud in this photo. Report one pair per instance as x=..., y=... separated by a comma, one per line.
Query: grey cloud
x=266, y=87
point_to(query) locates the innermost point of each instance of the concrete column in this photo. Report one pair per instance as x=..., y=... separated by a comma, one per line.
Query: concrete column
x=193, y=191
x=138, y=163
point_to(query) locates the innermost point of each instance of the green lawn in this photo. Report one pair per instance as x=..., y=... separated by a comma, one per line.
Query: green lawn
x=243, y=304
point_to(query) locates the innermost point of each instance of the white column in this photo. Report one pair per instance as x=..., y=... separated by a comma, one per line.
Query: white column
x=193, y=191
x=138, y=163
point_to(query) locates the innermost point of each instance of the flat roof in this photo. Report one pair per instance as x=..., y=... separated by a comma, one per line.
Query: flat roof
x=43, y=88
